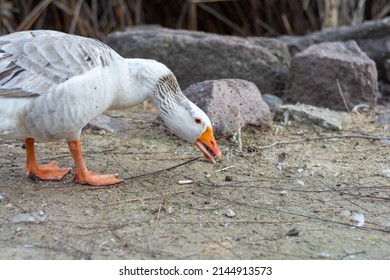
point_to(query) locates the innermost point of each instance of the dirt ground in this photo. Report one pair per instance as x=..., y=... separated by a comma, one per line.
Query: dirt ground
x=283, y=201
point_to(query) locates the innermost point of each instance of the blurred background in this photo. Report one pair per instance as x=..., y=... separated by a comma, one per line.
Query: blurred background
x=97, y=18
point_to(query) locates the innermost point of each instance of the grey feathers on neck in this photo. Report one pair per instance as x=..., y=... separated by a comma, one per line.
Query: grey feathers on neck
x=167, y=94
x=167, y=87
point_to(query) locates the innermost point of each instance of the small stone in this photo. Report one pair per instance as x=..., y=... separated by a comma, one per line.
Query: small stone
x=169, y=210
x=229, y=213
x=106, y=123
x=359, y=218
x=34, y=217
x=3, y=197
x=311, y=115
x=345, y=213
x=324, y=255
x=300, y=182
x=292, y=232
x=385, y=173
x=228, y=178
x=283, y=192
x=272, y=101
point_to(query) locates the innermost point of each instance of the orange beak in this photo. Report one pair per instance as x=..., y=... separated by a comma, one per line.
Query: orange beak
x=207, y=144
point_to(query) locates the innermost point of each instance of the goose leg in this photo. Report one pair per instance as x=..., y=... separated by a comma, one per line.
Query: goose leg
x=50, y=171
x=83, y=175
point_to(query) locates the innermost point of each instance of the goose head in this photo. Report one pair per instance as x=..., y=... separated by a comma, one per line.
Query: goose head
x=184, y=118
x=190, y=123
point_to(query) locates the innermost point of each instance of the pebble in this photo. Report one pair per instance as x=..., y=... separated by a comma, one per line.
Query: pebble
x=385, y=173
x=283, y=192
x=359, y=218
x=345, y=213
x=300, y=182
x=324, y=255
x=34, y=217
x=228, y=178
x=225, y=224
x=293, y=232
x=3, y=197
x=229, y=213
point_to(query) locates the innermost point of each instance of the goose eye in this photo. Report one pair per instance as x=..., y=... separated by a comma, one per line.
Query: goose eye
x=198, y=121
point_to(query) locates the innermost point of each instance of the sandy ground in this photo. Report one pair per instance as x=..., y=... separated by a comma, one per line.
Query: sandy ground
x=287, y=201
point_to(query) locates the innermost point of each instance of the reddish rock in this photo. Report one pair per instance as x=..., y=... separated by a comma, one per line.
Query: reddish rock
x=231, y=104
x=315, y=71
x=372, y=36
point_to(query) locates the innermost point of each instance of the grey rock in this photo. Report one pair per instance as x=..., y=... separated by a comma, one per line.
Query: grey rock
x=386, y=65
x=272, y=101
x=283, y=192
x=315, y=71
x=229, y=213
x=198, y=56
x=373, y=37
x=231, y=104
x=104, y=122
x=345, y=213
x=310, y=115
x=34, y=217
x=384, y=119
x=385, y=173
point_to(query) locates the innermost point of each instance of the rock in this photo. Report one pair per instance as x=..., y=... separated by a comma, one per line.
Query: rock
x=311, y=115
x=315, y=71
x=358, y=218
x=198, y=56
x=345, y=213
x=323, y=255
x=231, y=104
x=104, y=123
x=272, y=101
x=293, y=232
x=228, y=178
x=386, y=66
x=385, y=173
x=34, y=217
x=3, y=197
x=373, y=37
x=283, y=192
x=229, y=213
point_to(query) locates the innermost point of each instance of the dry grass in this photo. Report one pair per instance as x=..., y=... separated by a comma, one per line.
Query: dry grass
x=96, y=18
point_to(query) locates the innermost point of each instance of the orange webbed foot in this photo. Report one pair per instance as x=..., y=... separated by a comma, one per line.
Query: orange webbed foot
x=47, y=172
x=97, y=179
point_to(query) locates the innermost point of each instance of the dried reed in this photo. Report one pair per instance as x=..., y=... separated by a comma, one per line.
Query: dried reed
x=97, y=18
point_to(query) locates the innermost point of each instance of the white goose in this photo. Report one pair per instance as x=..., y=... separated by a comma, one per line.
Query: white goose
x=52, y=84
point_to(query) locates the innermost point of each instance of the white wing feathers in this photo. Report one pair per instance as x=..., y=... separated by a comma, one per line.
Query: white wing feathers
x=36, y=62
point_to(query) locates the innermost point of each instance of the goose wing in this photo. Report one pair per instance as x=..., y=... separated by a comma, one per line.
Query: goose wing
x=36, y=62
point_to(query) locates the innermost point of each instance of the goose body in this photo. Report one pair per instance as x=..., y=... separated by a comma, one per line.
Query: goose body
x=52, y=84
